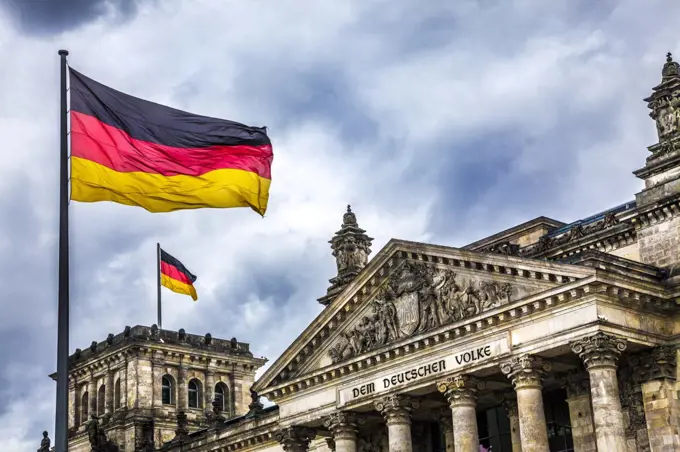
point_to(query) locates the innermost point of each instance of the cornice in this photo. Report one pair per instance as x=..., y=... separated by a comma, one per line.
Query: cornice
x=655, y=213
x=386, y=261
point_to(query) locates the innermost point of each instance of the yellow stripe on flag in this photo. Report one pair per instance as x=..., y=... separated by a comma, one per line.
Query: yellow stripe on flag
x=179, y=287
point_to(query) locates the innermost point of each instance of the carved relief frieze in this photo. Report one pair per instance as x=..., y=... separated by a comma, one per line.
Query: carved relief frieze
x=415, y=299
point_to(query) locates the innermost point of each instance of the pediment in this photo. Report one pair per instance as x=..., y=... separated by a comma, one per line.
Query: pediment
x=409, y=289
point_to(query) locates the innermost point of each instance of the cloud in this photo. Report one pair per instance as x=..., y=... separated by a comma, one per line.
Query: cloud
x=442, y=123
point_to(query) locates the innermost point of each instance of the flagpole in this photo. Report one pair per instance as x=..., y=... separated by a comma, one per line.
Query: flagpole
x=158, y=283
x=61, y=415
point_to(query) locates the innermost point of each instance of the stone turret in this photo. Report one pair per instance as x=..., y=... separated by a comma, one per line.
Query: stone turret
x=351, y=248
x=658, y=205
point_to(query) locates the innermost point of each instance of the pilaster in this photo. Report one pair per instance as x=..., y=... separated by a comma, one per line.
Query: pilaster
x=510, y=406
x=108, y=393
x=526, y=373
x=445, y=421
x=577, y=385
x=182, y=400
x=461, y=393
x=600, y=353
x=660, y=398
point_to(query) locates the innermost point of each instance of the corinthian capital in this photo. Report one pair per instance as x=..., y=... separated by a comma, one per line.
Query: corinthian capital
x=460, y=389
x=343, y=424
x=599, y=350
x=295, y=439
x=397, y=408
x=526, y=371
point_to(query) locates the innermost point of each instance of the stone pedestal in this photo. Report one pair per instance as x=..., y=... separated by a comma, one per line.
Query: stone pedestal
x=600, y=353
x=577, y=386
x=510, y=405
x=295, y=439
x=526, y=373
x=343, y=426
x=461, y=393
x=396, y=409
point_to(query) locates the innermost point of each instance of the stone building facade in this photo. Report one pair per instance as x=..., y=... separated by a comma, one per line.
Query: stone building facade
x=134, y=384
x=545, y=337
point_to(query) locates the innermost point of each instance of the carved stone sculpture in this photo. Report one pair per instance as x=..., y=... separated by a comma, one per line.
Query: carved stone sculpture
x=45, y=443
x=418, y=298
x=97, y=437
x=665, y=101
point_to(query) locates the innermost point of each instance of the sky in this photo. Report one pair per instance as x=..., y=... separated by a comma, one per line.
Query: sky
x=438, y=121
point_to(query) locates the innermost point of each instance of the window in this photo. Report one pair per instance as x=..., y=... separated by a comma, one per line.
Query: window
x=84, y=405
x=222, y=397
x=194, y=394
x=116, y=395
x=167, y=390
x=101, y=400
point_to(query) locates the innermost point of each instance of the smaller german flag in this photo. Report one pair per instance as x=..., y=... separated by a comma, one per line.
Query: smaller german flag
x=176, y=277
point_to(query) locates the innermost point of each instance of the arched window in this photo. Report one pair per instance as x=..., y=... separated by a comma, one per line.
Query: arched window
x=116, y=395
x=194, y=393
x=84, y=405
x=222, y=397
x=101, y=400
x=168, y=390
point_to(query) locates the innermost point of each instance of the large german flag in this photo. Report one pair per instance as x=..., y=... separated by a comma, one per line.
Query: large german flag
x=176, y=277
x=135, y=152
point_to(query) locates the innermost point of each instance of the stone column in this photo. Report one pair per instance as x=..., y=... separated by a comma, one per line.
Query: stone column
x=510, y=405
x=209, y=390
x=124, y=385
x=461, y=393
x=526, y=373
x=92, y=397
x=577, y=385
x=396, y=409
x=72, y=402
x=343, y=425
x=446, y=426
x=660, y=399
x=182, y=396
x=600, y=353
x=108, y=393
x=295, y=439
x=157, y=371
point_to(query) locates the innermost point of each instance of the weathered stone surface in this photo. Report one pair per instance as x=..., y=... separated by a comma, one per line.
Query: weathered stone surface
x=397, y=409
x=526, y=373
x=600, y=353
x=461, y=393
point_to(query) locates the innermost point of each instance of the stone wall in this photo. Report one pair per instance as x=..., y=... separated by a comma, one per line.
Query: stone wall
x=660, y=243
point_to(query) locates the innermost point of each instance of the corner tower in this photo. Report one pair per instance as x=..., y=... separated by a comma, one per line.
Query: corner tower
x=351, y=248
x=135, y=383
x=658, y=204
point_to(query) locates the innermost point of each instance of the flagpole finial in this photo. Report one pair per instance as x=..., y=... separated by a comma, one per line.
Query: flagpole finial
x=63, y=52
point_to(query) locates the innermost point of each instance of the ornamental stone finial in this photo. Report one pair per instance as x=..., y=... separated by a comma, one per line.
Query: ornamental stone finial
x=351, y=248
x=599, y=350
x=526, y=371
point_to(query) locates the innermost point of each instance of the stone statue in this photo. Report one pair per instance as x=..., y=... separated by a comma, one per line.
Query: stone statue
x=45, y=443
x=97, y=437
x=415, y=299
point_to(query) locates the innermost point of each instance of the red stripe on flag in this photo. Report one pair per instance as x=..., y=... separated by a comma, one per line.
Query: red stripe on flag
x=104, y=144
x=172, y=272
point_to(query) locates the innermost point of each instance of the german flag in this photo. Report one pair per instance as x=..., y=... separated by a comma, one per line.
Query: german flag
x=176, y=277
x=135, y=152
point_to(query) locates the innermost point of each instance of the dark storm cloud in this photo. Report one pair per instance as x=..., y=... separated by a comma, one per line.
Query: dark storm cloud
x=46, y=17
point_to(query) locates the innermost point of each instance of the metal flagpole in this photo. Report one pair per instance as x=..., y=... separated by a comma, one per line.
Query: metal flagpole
x=61, y=416
x=158, y=280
